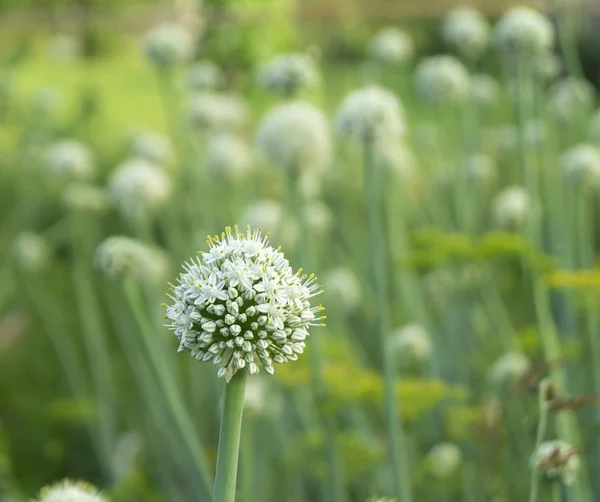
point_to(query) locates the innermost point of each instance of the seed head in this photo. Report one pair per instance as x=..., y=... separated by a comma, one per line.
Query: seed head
x=241, y=306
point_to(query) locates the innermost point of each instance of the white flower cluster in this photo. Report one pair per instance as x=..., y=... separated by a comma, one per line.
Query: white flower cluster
x=508, y=368
x=442, y=79
x=63, y=47
x=119, y=257
x=241, y=306
x=168, y=44
x=69, y=159
x=370, y=112
x=151, y=146
x=398, y=158
x=31, y=251
x=484, y=90
x=341, y=285
x=525, y=31
x=557, y=459
x=228, y=156
x=444, y=459
x=467, y=31
x=287, y=74
x=546, y=66
x=511, y=207
x=571, y=99
x=391, y=46
x=70, y=491
x=216, y=111
x=295, y=135
x=581, y=164
x=480, y=168
x=412, y=342
x=204, y=76
x=86, y=198
x=138, y=186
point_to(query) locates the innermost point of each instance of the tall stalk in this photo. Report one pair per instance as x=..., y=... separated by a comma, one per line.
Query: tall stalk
x=541, y=432
x=229, y=438
x=378, y=260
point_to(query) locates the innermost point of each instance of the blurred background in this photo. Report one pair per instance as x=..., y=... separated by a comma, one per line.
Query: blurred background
x=131, y=130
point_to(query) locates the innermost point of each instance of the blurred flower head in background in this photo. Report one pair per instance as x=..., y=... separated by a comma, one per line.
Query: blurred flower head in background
x=342, y=287
x=228, y=156
x=509, y=368
x=571, y=99
x=391, y=46
x=69, y=159
x=484, y=90
x=211, y=111
x=70, y=491
x=168, y=45
x=467, y=31
x=204, y=76
x=523, y=31
x=86, y=198
x=557, y=460
x=511, y=207
x=442, y=80
x=444, y=460
x=581, y=164
x=31, y=252
x=288, y=74
x=412, y=342
x=151, y=146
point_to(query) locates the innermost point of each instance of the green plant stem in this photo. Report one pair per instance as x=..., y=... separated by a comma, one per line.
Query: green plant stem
x=378, y=259
x=229, y=438
x=541, y=432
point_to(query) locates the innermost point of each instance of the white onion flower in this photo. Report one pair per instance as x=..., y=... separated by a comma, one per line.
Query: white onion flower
x=120, y=257
x=241, y=306
x=467, y=31
x=546, y=66
x=571, y=98
x=444, y=459
x=557, y=460
x=69, y=159
x=511, y=207
x=167, y=45
x=318, y=217
x=391, y=46
x=268, y=215
x=442, y=79
x=295, y=136
x=70, y=491
x=341, y=285
x=484, y=90
x=398, y=158
x=581, y=164
x=288, y=74
x=216, y=112
x=524, y=31
x=480, y=168
x=151, y=146
x=412, y=342
x=86, y=198
x=508, y=368
x=228, y=155
x=204, y=76
x=370, y=112
x=31, y=252
x=138, y=186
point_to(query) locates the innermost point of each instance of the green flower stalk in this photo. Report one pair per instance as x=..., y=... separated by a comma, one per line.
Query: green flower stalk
x=240, y=306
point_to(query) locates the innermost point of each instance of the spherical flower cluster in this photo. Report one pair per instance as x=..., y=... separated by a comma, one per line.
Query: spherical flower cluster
x=151, y=146
x=204, y=76
x=524, y=31
x=571, y=98
x=241, y=306
x=318, y=217
x=546, y=66
x=442, y=79
x=86, y=198
x=370, y=112
x=216, y=111
x=444, y=459
x=398, y=158
x=391, y=46
x=119, y=257
x=31, y=252
x=412, y=342
x=467, y=31
x=227, y=155
x=581, y=164
x=484, y=90
x=69, y=159
x=168, y=44
x=511, y=207
x=138, y=186
x=341, y=285
x=508, y=368
x=480, y=169
x=288, y=74
x=295, y=136
x=70, y=491
x=557, y=460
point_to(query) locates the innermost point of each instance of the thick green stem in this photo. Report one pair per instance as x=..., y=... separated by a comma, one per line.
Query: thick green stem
x=541, y=432
x=229, y=439
x=399, y=473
